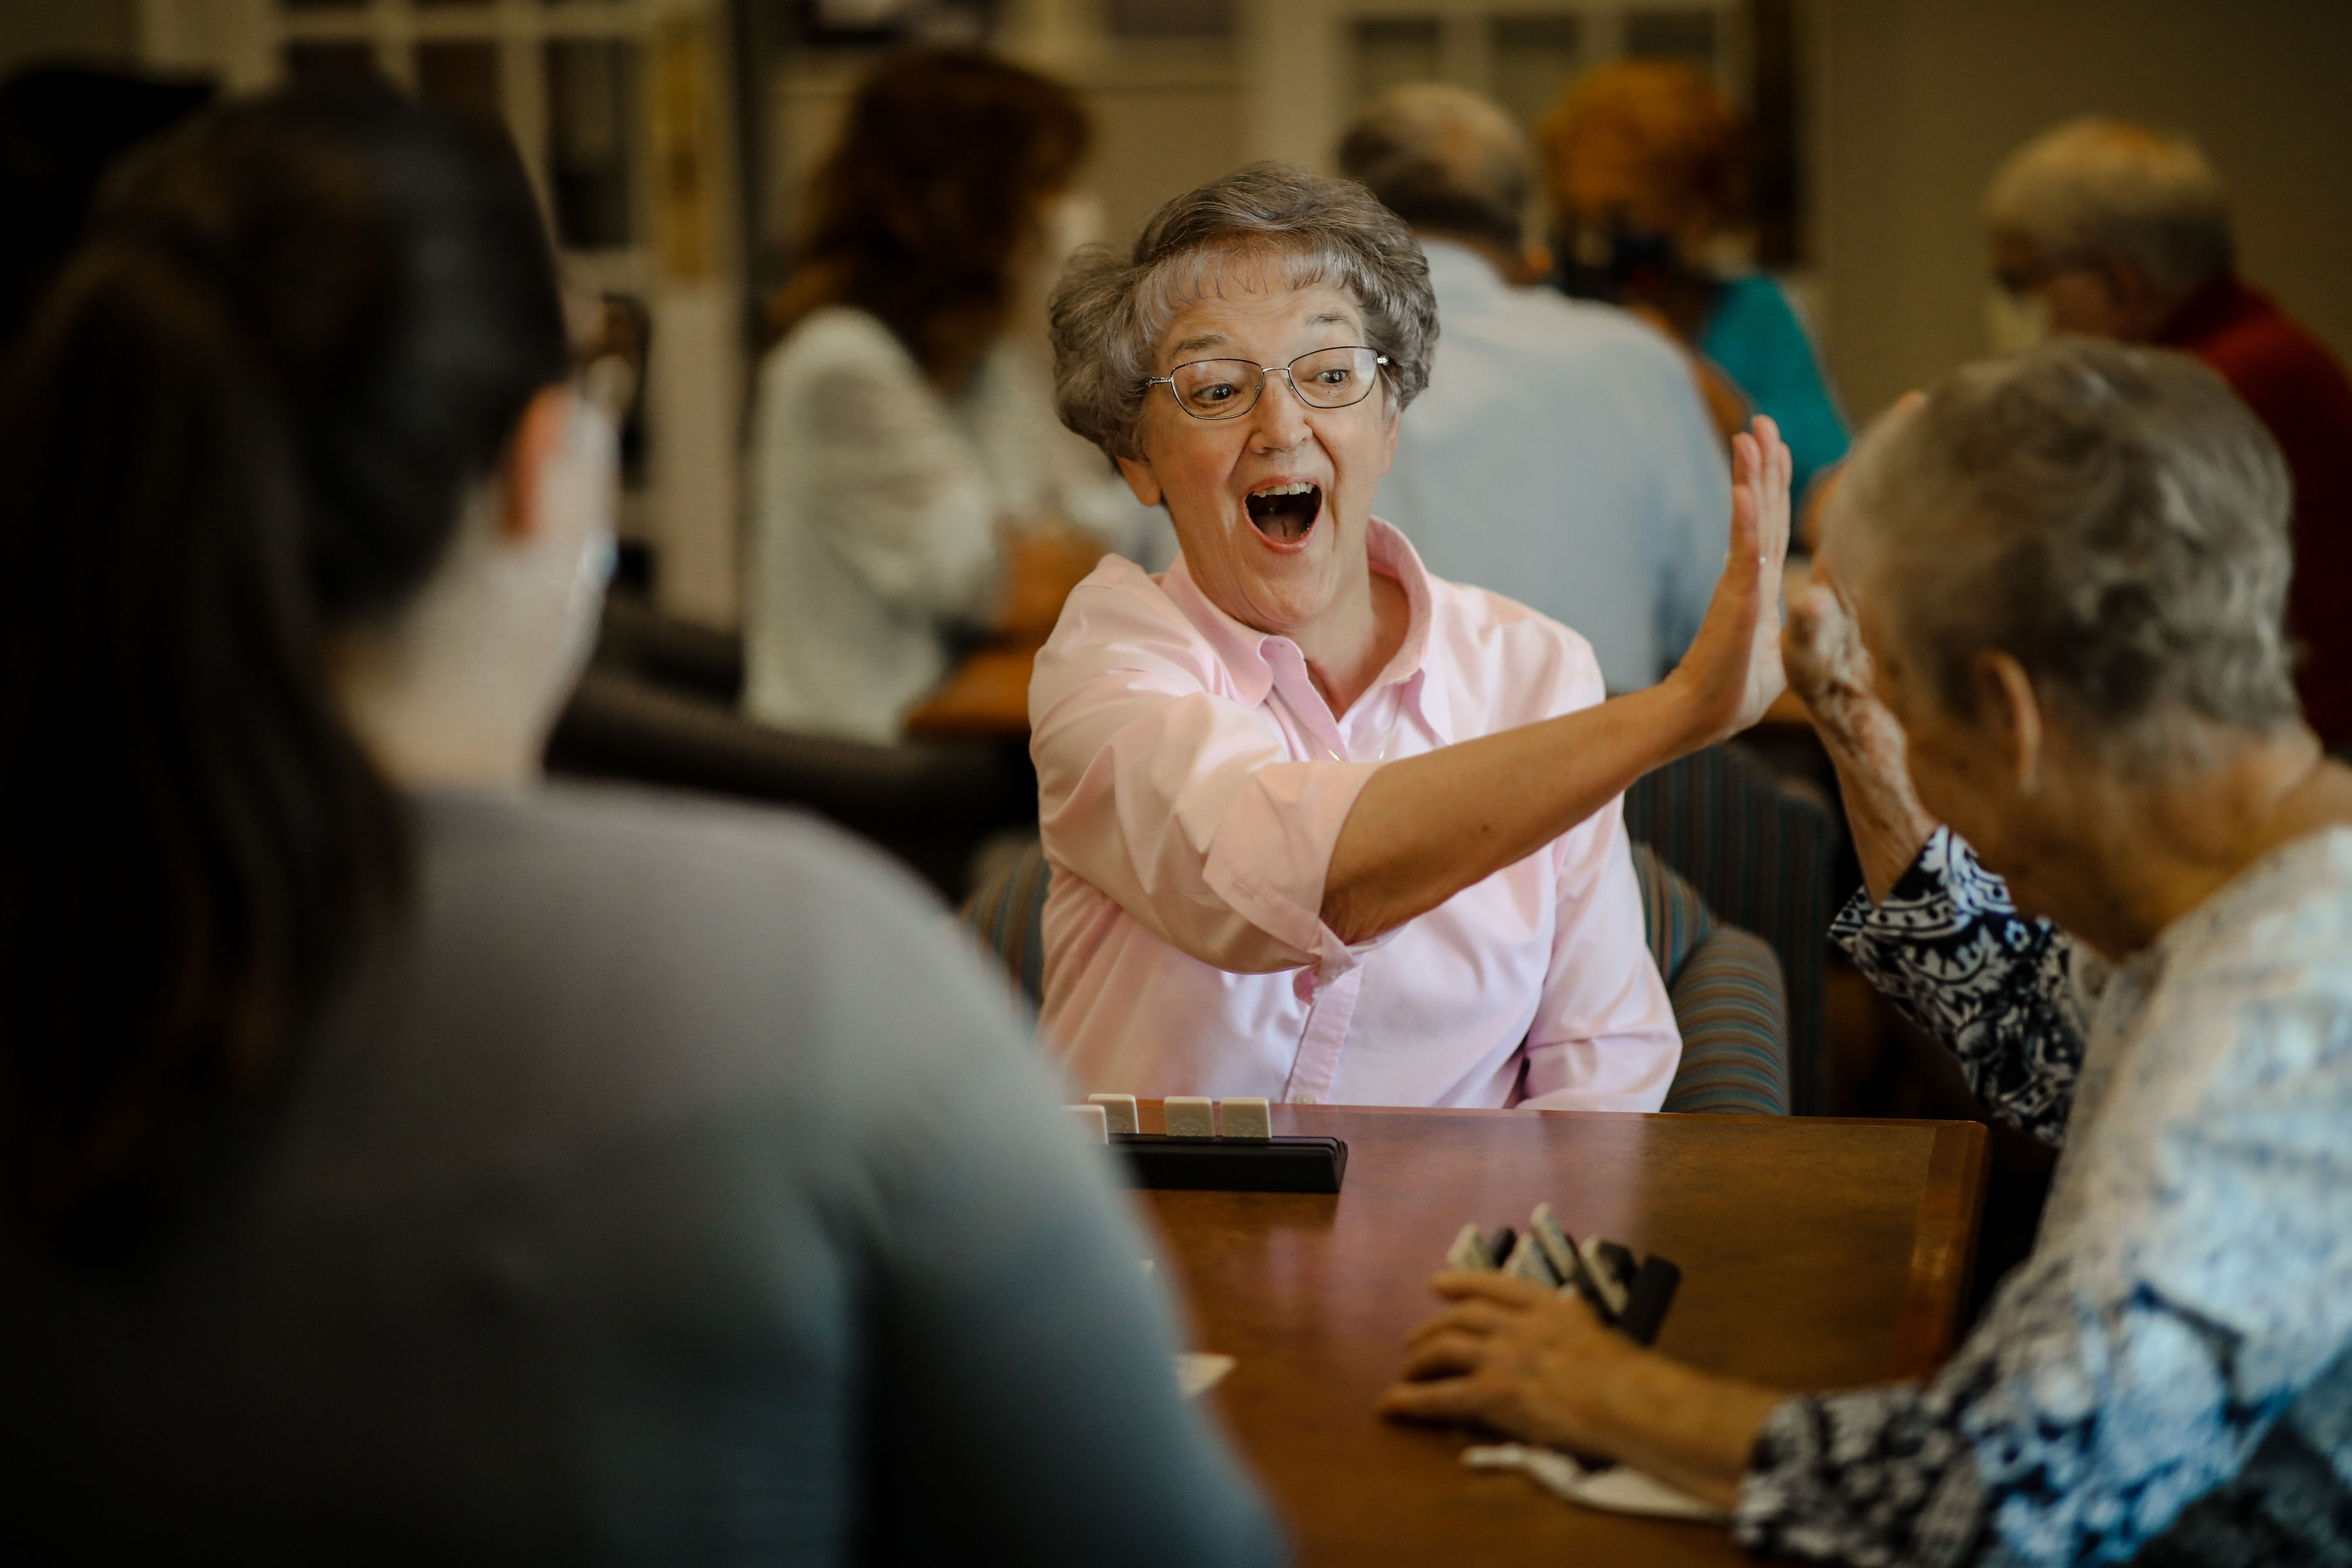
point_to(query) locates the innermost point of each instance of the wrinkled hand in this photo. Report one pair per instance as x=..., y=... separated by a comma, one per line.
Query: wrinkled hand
x=1828, y=668
x=1732, y=671
x=1509, y=1355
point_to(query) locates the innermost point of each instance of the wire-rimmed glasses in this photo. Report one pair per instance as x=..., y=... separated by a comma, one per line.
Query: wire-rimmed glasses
x=1229, y=388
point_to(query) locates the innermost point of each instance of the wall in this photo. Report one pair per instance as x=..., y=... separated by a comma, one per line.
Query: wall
x=1917, y=100
x=40, y=30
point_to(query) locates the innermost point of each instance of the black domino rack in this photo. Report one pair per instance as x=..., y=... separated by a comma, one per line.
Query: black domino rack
x=1281, y=1164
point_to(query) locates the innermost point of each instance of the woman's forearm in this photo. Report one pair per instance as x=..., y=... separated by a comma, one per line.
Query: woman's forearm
x=1693, y=1431
x=1890, y=825
x=1426, y=828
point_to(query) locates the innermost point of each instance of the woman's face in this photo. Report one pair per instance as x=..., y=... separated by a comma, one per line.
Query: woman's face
x=1270, y=507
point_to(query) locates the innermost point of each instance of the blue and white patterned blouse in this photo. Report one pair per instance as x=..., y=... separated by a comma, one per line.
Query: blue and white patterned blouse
x=2166, y=1378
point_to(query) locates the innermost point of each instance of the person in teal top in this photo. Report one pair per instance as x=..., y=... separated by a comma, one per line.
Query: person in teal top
x=1642, y=160
x=1754, y=337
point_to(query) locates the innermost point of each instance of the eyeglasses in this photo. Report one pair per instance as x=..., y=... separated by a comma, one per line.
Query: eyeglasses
x=1229, y=388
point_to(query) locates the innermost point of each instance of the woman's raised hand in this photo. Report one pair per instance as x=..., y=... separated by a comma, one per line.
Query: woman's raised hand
x=1828, y=668
x=1733, y=671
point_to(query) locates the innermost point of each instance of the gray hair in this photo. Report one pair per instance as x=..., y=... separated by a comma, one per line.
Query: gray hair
x=2112, y=518
x=1108, y=312
x=1443, y=158
x=2096, y=189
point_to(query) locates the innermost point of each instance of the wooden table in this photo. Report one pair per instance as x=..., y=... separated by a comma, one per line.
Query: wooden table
x=1815, y=1254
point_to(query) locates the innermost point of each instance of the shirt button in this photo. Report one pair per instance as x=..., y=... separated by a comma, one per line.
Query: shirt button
x=1303, y=1099
x=1302, y=985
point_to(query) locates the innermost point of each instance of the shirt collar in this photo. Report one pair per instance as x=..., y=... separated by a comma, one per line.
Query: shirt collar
x=1242, y=648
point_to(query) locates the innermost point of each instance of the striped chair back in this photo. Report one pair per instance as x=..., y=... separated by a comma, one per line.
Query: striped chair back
x=1758, y=848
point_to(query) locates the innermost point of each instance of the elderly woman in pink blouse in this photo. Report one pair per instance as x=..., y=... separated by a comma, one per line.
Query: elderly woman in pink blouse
x=1323, y=827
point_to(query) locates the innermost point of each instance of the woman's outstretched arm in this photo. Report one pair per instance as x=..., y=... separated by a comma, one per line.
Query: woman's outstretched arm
x=1425, y=827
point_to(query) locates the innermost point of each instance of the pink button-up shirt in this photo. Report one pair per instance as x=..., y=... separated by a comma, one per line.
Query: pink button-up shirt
x=1193, y=784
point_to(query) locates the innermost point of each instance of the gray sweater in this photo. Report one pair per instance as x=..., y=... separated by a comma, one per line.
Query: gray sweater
x=677, y=1190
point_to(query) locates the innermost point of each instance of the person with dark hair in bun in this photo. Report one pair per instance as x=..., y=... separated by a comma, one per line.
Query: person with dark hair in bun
x=408, y=1161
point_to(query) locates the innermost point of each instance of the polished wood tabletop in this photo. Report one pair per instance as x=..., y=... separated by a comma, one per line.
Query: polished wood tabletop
x=1815, y=1254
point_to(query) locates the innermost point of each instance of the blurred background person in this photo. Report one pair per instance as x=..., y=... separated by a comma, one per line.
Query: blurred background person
x=1644, y=168
x=911, y=492
x=1561, y=454
x=2114, y=230
x=406, y=1161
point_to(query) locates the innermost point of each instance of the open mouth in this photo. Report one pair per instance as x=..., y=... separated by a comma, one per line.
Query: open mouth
x=1286, y=513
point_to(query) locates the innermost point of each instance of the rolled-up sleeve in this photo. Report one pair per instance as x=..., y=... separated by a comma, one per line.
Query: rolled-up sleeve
x=1162, y=786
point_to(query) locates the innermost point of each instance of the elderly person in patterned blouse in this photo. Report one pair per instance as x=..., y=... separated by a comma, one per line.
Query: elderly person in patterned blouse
x=2068, y=573
x=1324, y=827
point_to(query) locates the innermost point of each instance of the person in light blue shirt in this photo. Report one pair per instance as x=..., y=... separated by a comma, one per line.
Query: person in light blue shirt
x=1561, y=455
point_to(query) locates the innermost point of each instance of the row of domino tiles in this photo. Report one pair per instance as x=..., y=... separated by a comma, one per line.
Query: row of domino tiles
x=1189, y=1116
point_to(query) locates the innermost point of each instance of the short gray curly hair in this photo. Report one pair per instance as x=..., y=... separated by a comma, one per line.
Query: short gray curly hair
x=2112, y=518
x=1108, y=311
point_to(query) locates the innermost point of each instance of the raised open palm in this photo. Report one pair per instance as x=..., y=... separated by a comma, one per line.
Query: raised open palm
x=1733, y=672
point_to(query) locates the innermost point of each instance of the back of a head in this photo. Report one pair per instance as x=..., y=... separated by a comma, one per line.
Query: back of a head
x=930, y=196
x=60, y=127
x=1667, y=118
x=2098, y=189
x=1444, y=160
x=247, y=414
x=2111, y=517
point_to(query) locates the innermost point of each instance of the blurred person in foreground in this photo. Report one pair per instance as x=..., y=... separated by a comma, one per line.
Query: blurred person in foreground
x=2112, y=230
x=1324, y=827
x=1561, y=453
x=408, y=1161
x=1643, y=164
x=2066, y=574
x=912, y=493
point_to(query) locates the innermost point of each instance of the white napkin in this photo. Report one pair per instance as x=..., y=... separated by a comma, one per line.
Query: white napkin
x=1618, y=1488
x=1198, y=1372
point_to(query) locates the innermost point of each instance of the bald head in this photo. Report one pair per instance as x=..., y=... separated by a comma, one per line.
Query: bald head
x=1444, y=160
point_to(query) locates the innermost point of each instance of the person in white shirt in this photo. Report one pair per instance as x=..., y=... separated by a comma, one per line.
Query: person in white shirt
x=909, y=484
x=1561, y=454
